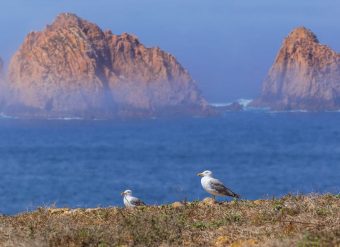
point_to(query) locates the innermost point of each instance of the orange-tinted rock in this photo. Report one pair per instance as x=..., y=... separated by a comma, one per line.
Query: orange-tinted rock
x=73, y=67
x=305, y=75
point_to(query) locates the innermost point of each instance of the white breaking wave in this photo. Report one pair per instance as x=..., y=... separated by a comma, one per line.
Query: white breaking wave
x=242, y=102
x=288, y=111
x=4, y=116
x=66, y=118
x=220, y=104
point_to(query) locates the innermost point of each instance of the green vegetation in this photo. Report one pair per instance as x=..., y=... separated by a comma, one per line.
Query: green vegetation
x=312, y=220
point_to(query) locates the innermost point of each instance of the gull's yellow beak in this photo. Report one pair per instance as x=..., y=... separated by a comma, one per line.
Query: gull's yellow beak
x=122, y=193
x=200, y=174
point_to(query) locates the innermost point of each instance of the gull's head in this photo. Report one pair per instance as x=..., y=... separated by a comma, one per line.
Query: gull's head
x=126, y=192
x=206, y=173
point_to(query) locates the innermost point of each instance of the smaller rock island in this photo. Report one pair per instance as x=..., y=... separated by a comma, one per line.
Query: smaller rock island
x=304, y=76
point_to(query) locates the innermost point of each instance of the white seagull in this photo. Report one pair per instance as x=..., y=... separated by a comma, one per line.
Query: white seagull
x=131, y=201
x=214, y=186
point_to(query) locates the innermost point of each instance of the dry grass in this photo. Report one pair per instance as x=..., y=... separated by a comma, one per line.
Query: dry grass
x=312, y=220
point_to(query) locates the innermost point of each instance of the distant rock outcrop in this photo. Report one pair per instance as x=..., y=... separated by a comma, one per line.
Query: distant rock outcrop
x=305, y=75
x=73, y=67
x=232, y=107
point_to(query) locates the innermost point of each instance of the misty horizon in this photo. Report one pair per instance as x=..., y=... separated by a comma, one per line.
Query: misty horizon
x=227, y=47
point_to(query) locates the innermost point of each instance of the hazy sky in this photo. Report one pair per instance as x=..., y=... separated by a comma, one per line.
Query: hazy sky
x=227, y=45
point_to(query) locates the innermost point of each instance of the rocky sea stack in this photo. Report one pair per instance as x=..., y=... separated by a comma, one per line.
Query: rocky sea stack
x=304, y=76
x=73, y=68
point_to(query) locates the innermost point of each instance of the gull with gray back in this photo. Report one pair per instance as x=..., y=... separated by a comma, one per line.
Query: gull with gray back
x=214, y=186
x=131, y=201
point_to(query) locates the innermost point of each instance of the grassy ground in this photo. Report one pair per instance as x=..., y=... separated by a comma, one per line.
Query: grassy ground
x=312, y=220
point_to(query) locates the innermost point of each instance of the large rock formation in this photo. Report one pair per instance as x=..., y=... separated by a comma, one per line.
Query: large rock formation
x=73, y=67
x=305, y=75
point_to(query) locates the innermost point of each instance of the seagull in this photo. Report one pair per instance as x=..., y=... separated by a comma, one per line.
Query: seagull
x=214, y=186
x=131, y=201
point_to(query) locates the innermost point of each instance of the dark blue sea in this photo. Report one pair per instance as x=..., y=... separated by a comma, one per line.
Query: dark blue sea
x=79, y=163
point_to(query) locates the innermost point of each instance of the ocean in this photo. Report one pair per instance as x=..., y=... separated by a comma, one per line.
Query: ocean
x=82, y=163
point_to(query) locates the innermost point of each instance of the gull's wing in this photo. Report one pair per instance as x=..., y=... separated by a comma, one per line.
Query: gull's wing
x=136, y=202
x=218, y=186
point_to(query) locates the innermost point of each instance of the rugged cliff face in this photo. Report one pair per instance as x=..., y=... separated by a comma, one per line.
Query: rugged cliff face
x=305, y=75
x=74, y=67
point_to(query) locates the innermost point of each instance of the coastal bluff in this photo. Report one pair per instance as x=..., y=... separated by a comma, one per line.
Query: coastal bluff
x=305, y=75
x=74, y=68
x=302, y=220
